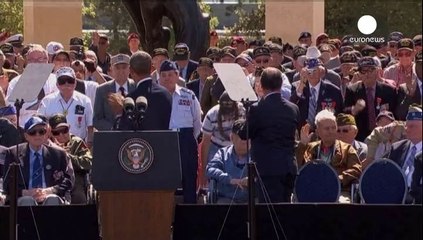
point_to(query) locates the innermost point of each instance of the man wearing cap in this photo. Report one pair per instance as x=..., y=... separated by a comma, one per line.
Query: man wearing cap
x=157, y=115
x=347, y=131
x=78, y=153
x=417, y=40
x=10, y=134
x=52, y=48
x=365, y=99
x=181, y=55
x=313, y=92
x=121, y=85
x=272, y=125
x=76, y=44
x=340, y=155
x=297, y=64
x=278, y=58
x=404, y=152
x=305, y=38
x=158, y=56
x=75, y=106
x=99, y=45
x=16, y=41
x=228, y=168
x=133, y=42
x=393, y=39
x=46, y=171
x=94, y=72
x=347, y=69
x=37, y=55
x=238, y=42
x=15, y=61
x=205, y=69
x=410, y=93
x=185, y=117
x=402, y=71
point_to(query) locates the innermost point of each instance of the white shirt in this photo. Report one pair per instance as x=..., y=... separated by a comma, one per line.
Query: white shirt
x=186, y=110
x=90, y=90
x=409, y=170
x=25, y=114
x=79, y=111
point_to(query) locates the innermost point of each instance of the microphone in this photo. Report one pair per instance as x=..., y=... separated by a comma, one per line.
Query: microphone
x=129, y=107
x=141, y=105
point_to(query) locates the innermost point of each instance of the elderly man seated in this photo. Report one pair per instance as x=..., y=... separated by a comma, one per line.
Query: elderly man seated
x=341, y=156
x=347, y=131
x=228, y=167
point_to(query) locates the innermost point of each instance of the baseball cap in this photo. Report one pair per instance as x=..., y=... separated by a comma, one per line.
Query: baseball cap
x=414, y=113
x=120, y=59
x=132, y=36
x=204, y=61
x=7, y=49
x=304, y=35
x=160, y=52
x=276, y=40
x=32, y=122
x=321, y=37
x=417, y=40
x=368, y=51
x=7, y=110
x=345, y=119
x=405, y=43
x=213, y=52
x=244, y=57
x=366, y=62
x=228, y=51
x=181, y=52
x=61, y=52
x=395, y=36
x=261, y=51
x=236, y=40
x=16, y=40
x=299, y=51
x=76, y=41
x=386, y=114
x=168, y=66
x=348, y=57
x=58, y=120
x=274, y=47
x=65, y=71
x=53, y=47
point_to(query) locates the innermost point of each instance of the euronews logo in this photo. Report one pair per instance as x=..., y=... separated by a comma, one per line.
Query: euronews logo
x=367, y=25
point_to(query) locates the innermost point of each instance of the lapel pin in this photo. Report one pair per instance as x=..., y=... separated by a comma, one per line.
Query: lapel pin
x=48, y=167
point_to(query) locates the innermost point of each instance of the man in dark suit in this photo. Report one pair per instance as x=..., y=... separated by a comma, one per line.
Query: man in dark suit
x=416, y=184
x=404, y=152
x=272, y=124
x=365, y=99
x=204, y=69
x=103, y=116
x=157, y=115
x=313, y=93
x=46, y=170
x=181, y=55
x=410, y=93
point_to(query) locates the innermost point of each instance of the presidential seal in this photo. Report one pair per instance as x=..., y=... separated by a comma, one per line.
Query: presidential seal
x=136, y=156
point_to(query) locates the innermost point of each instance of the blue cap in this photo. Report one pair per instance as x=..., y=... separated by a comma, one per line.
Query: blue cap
x=414, y=113
x=168, y=66
x=32, y=122
x=6, y=111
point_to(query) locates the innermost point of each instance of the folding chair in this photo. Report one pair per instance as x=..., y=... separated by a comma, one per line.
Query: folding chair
x=383, y=182
x=317, y=181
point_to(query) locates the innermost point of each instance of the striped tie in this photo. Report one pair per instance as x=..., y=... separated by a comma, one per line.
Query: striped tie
x=312, y=103
x=37, y=180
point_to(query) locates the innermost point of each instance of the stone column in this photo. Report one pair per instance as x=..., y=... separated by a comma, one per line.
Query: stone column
x=52, y=20
x=287, y=19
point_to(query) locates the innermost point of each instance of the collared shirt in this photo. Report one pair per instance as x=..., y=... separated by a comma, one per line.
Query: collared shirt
x=125, y=86
x=224, y=166
x=184, y=72
x=31, y=166
x=78, y=111
x=317, y=88
x=186, y=110
x=411, y=168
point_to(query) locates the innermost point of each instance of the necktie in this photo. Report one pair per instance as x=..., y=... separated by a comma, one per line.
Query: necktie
x=371, y=108
x=409, y=164
x=312, y=103
x=37, y=180
x=122, y=91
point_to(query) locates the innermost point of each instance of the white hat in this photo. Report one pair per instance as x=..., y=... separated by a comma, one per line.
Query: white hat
x=65, y=71
x=53, y=47
x=15, y=40
x=313, y=52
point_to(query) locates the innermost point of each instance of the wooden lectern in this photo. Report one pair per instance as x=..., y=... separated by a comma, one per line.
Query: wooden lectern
x=136, y=174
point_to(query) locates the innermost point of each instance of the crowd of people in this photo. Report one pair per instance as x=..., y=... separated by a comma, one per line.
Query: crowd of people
x=344, y=103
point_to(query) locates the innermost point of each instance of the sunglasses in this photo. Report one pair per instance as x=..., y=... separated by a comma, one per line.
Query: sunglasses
x=343, y=130
x=407, y=54
x=62, y=81
x=262, y=61
x=60, y=131
x=40, y=132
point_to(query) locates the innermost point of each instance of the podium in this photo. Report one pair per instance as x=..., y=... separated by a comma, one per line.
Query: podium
x=135, y=175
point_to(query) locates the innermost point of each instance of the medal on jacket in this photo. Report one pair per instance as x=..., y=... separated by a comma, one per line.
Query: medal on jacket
x=378, y=101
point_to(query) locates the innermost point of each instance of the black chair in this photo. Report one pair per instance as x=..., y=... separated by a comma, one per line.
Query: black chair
x=383, y=182
x=317, y=181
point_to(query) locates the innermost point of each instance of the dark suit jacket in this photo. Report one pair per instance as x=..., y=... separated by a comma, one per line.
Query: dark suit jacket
x=194, y=86
x=9, y=134
x=272, y=124
x=384, y=92
x=58, y=171
x=157, y=116
x=191, y=67
x=103, y=116
x=404, y=101
x=3, y=151
x=416, y=184
x=329, y=94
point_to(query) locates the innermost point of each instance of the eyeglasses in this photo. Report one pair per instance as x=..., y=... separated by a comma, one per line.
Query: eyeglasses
x=343, y=130
x=62, y=81
x=262, y=61
x=57, y=132
x=40, y=132
x=406, y=54
x=365, y=71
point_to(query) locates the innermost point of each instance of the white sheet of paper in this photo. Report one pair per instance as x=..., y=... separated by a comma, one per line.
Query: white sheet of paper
x=235, y=82
x=31, y=82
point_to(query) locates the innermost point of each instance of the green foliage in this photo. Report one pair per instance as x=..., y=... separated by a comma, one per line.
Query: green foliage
x=205, y=8
x=405, y=16
x=249, y=23
x=11, y=16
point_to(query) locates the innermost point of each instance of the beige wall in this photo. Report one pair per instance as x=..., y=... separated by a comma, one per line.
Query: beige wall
x=52, y=20
x=288, y=18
